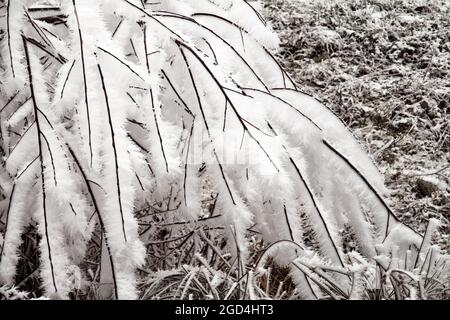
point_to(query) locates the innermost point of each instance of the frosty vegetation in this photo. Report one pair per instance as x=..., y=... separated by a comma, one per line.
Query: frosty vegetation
x=159, y=151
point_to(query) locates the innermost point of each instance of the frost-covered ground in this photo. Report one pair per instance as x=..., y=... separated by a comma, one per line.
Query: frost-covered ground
x=384, y=68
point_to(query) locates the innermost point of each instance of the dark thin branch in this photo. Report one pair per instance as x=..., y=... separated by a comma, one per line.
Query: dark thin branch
x=421, y=246
x=113, y=141
x=44, y=200
x=51, y=33
x=56, y=56
x=207, y=127
x=98, y=186
x=186, y=108
x=134, y=100
x=139, y=88
x=170, y=240
x=134, y=49
x=178, y=246
x=18, y=175
x=18, y=108
x=51, y=157
x=139, y=181
x=241, y=58
x=20, y=139
x=242, y=39
x=39, y=31
x=117, y=27
x=242, y=93
x=153, y=18
x=186, y=162
x=140, y=146
x=369, y=185
x=312, y=97
x=144, y=32
x=311, y=195
x=139, y=124
x=153, y=103
x=256, y=13
x=121, y=62
x=100, y=219
x=45, y=117
x=33, y=9
x=158, y=131
x=137, y=143
x=287, y=222
x=255, y=127
x=71, y=208
x=288, y=104
x=8, y=36
x=10, y=100
x=86, y=100
x=67, y=78
x=244, y=126
x=225, y=115
x=54, y=19
x=212, y=51
x=320, y=285
x=283, y=73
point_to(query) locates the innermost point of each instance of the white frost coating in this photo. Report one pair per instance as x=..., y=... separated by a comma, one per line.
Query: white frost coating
x=174, y=118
